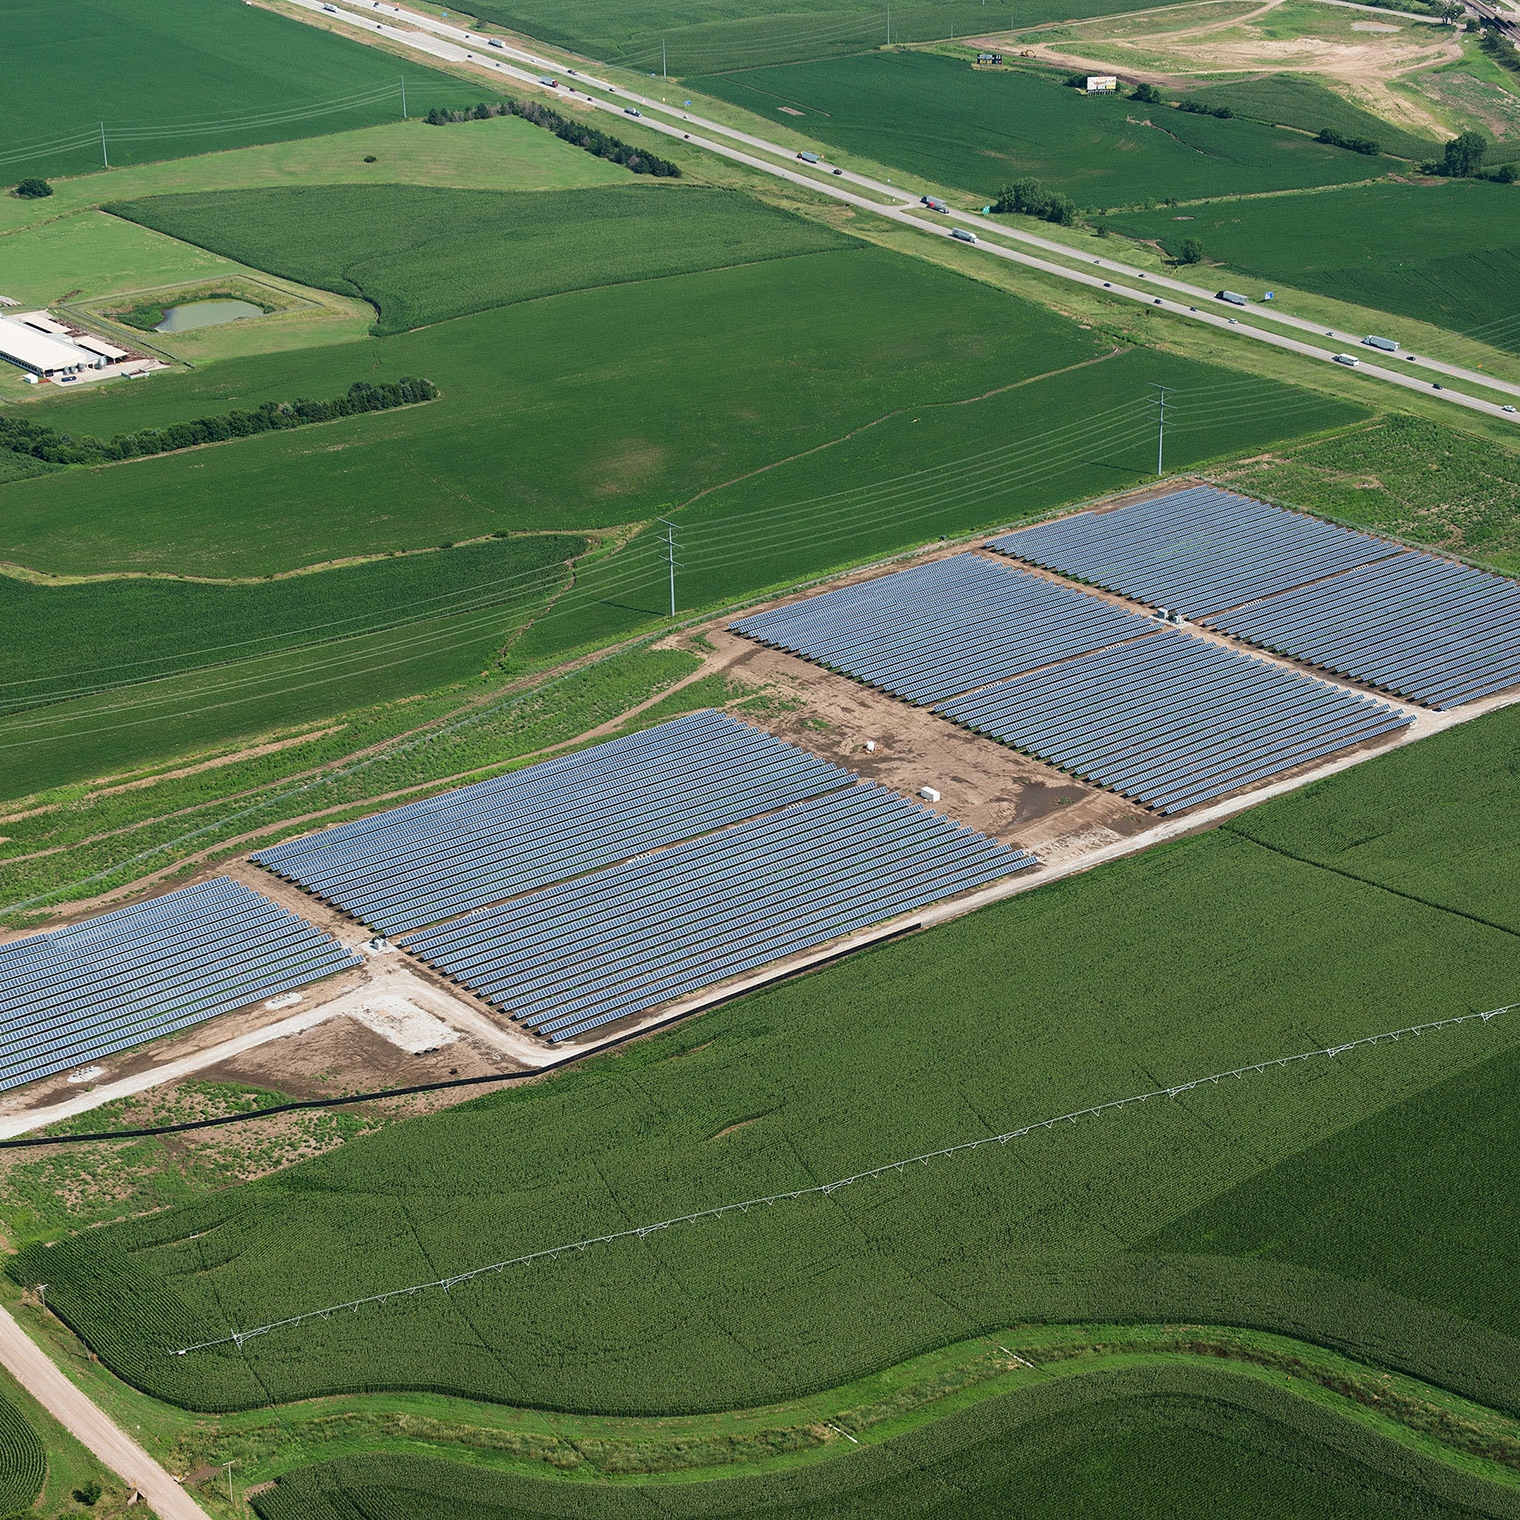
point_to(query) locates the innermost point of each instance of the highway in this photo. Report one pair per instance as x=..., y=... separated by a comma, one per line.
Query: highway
x=453, y=44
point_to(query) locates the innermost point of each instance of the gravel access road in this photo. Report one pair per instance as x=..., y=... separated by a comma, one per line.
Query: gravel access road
x=454, y=44
x=31, y=1366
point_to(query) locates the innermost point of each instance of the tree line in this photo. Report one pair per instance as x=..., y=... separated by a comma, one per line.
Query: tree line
x=39, y=441
x=578, y=134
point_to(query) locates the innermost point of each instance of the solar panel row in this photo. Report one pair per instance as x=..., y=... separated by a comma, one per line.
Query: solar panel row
x=1407, y=622
x=1195, y=551
x=1423, y=628
x=927, y=633
x=1173, y=721
x=80, y=993
x=630, y=938
x=430, y=861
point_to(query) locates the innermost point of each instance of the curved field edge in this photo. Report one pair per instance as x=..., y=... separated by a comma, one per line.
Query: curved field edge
x=1467, y=1437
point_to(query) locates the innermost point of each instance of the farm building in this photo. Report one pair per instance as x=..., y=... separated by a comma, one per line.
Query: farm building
x=30, y=347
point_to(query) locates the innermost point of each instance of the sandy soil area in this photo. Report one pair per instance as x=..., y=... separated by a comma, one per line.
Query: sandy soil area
x=1358, y=58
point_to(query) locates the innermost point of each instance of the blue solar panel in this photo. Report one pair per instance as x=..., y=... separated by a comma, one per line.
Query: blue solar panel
x=1417, y=626
x=80, y=993
x=574, y=957
x=1195, y=551
x=432, y=860
x=927, y=633
x=1173, y=721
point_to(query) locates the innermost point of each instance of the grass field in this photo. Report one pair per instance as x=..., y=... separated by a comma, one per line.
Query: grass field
x=1446, y=252
x=704, y=36
x=1018, y=1012
x=421, y=255
x=937, y=116
x=590, y=409
x=1183, y=1444
x=81, y=257
x=1407, y=476
x=1293, y=101
x=932, y=470
x=64, y=640
x=503, y=153
x=182, y=77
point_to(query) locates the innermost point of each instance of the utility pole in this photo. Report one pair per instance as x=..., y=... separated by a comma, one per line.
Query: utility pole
x=232, y=1501
x=106, y=161
x=1160, y=426
x=889, y=26
x=663, y=74
x=670, y=556
x=404, y=116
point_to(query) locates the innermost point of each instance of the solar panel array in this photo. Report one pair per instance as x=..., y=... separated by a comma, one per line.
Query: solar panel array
x=577, y=956
x=1410, y=623
x=80, y=993
x=1173, y=721
x=1194, y=551
x=433, y=860
x=1423, y=628
x=927, y=633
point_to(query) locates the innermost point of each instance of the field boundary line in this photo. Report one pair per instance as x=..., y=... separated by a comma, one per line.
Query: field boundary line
x=640, y=1232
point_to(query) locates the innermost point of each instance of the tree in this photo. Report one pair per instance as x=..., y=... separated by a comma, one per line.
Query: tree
x=33, y=189
x=1192, y=251
x=1506, y=174
x=1464, y=155
x=1146, y=93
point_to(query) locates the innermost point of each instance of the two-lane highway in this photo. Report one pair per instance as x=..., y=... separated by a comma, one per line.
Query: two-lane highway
x=497, y=56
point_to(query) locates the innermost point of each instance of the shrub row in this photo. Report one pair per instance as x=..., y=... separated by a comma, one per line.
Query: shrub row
x=592, y=139
x=39, y=441
x=1336, y=139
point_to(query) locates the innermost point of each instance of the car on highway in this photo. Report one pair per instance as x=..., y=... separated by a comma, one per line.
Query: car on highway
x=1506, y=408
x=839, y=171
x=1157, y=301
x=495, y=42
x=1436, y=385
x=1108, y=285
x=1349, y=360
x=632, y=111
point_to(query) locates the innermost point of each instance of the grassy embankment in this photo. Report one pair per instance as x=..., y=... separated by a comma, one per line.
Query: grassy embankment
x=1235, y=946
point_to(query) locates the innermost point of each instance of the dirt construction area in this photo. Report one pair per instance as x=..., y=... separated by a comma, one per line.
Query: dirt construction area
x=1354, y=53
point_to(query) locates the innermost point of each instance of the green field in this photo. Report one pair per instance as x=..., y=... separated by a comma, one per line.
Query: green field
x=421, y=255
x=1446, y=252
x=594, y=408
x=1018, y=1012
x=978, y=129
x=933, y=470
x=23, y=1462
x=1407, y=476
x=1292, y=101
x=56, y=635
x=1160, y=1444
x=182, y=77
x=705, y=36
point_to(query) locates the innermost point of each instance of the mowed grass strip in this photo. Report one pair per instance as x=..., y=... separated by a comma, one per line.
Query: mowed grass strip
x=937, y=116
x=182, y=77
x=1142, y=1442
x=1087, y=989
x=1446, y=252
x=421, y=254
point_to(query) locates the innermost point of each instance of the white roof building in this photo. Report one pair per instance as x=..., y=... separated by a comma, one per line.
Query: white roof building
x=42, y=354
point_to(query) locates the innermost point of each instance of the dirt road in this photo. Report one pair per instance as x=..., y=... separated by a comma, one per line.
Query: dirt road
x=34, y=1370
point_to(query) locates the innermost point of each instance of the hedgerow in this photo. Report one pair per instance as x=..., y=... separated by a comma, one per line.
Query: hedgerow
x=39, y=441
x=596, y=142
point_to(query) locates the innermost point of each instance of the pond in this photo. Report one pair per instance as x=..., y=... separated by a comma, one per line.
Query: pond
x=206, y=314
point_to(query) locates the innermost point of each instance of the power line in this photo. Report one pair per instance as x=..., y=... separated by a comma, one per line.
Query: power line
x=240, y=1338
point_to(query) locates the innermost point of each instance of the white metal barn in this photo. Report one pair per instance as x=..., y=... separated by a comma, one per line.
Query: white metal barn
x=42, y=353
